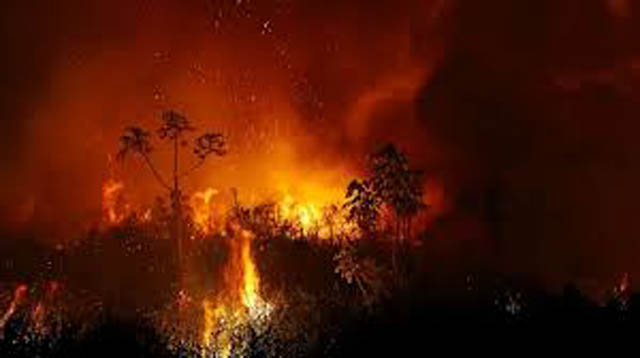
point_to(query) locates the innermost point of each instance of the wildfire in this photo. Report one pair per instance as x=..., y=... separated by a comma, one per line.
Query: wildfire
x=240, y=306
x=308, y=215
x=203, y=208
x=250, y=279
x=38, y=311
x=19, y=296
x=214, y=316
x=113, y=208
x=322, y=218
x=310, y=197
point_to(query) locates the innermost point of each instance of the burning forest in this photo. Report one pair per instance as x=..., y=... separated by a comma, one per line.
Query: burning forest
x=279, y=178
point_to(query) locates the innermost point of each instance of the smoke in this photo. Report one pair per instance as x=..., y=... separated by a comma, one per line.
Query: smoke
x=293, y=85
x=535, y=108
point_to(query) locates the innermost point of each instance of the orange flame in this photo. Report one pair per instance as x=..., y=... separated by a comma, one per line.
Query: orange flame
x=202, y=205
x=112, y=210
x=251, y=281
x=308, y=214
x=242, y=304
x=19, y=295
x=38, y=315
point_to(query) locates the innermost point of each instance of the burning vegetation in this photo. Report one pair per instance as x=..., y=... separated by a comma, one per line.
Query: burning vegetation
x=242, y=178
x=200, y=249
x=236, y=304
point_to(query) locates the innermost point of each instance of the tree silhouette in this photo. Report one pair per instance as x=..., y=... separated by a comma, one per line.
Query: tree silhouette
x=391, y=183
x=136, y=140
x=174, y=129
x=362, y=205
x=397, y=186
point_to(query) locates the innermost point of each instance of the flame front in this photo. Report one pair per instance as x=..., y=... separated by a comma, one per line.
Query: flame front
x=240, y=306
x=308, y=214
x=216, y=324
x=251, y=281
x=113, y=211
x=202, y=205
x=19, y=295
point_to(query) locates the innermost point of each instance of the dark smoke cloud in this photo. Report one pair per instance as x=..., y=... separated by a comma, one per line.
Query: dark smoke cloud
x=536, y=107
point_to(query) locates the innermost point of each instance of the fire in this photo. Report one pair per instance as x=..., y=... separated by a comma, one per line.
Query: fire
x=306, y=194
x=24, y=303
x=308, y=215
x=43, y=307
x=321, y=217
x=307, y=211
x=203, y=208
x=214, y=316
x=19, y=296
x=113, y=209
x=116, y=207
x=250, y=279
x=38, y=315
x=240, y=306
x=622, y=290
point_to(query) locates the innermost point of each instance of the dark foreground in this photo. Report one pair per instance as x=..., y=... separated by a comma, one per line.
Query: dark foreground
x=400, y=327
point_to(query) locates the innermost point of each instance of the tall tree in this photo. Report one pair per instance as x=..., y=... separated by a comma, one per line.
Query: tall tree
x=174, y=129
x=390, y=184
x=363, y=205
x=397, y=186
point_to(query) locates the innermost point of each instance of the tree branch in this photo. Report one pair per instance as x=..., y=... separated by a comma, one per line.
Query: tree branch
x=155, y=172
x=192, y=169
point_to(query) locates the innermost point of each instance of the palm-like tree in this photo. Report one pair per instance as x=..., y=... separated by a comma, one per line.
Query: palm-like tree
x=174, y=129
x=136, y=141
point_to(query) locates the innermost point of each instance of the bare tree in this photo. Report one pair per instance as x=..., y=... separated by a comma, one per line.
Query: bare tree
x=174, y=129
